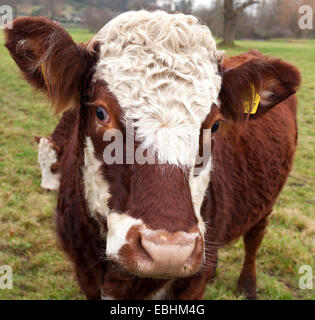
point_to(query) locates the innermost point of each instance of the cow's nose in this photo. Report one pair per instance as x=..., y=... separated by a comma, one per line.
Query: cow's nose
x=169, y=255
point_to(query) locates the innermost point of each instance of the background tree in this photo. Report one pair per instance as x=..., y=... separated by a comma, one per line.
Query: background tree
x=185, y=6
x=95, y=18
x=231, y=13
x=116, y=5
x=141, y=4
x=52, y=8
x=212, y=17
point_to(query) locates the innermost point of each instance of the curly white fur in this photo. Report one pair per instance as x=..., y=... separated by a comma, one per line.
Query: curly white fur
x=162, y=68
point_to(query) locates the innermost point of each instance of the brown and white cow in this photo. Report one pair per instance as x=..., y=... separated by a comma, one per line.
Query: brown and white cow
x=153, y=230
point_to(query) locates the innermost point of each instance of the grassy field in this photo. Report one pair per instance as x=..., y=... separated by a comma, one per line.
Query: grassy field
x=27, y=237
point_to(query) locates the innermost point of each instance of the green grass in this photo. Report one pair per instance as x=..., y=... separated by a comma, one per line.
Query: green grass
x=28, y=241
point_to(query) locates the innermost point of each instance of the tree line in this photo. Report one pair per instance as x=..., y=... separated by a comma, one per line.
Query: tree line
x=262, y=19
x=227, y=19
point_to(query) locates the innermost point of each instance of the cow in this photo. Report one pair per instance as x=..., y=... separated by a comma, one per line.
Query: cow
x=152, y=229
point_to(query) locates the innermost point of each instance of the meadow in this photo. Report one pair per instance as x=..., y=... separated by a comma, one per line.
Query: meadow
x=27, y=237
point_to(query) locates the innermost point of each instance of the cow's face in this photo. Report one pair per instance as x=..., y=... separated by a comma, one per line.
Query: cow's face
x=152, y=90
x=151, y=207
x=149, y=86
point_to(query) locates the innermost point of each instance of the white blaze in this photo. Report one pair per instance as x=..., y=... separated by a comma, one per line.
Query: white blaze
x=162, y=69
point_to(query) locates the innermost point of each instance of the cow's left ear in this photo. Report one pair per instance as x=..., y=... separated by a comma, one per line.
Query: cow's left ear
x=256, y=86
x=48, y=58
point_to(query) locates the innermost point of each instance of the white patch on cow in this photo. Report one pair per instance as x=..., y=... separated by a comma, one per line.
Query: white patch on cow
x=162, y=293
x=118, y=226
x=162, y=69
x=199, y=185
x=96, y=188
x=106, y=298
x=46, y=157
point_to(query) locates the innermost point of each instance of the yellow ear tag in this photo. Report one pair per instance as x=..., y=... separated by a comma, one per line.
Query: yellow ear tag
x=252, y=106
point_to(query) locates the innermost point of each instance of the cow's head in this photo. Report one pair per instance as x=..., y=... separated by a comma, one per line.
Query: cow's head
x=147, y=82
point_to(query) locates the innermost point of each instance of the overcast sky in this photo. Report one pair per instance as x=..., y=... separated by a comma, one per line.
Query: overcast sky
x=204, y=3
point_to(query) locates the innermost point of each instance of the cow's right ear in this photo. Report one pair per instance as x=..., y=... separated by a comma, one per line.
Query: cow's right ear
x=48, y=58
x=256, y=86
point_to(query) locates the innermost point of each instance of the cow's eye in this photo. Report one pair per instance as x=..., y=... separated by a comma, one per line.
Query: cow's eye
x=215, y=126
x=102, y=115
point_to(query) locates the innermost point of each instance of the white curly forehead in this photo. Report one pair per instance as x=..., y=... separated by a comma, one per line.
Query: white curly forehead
x=162, y=68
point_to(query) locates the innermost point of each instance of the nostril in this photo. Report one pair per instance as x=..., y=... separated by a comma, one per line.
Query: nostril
x=141, y=251
x=168, y=250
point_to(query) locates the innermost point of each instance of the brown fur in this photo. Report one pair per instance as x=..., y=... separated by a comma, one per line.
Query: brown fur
x=249, y=169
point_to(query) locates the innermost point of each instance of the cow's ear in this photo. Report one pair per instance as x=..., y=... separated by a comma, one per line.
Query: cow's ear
x=256, y=86
x=48, y=58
